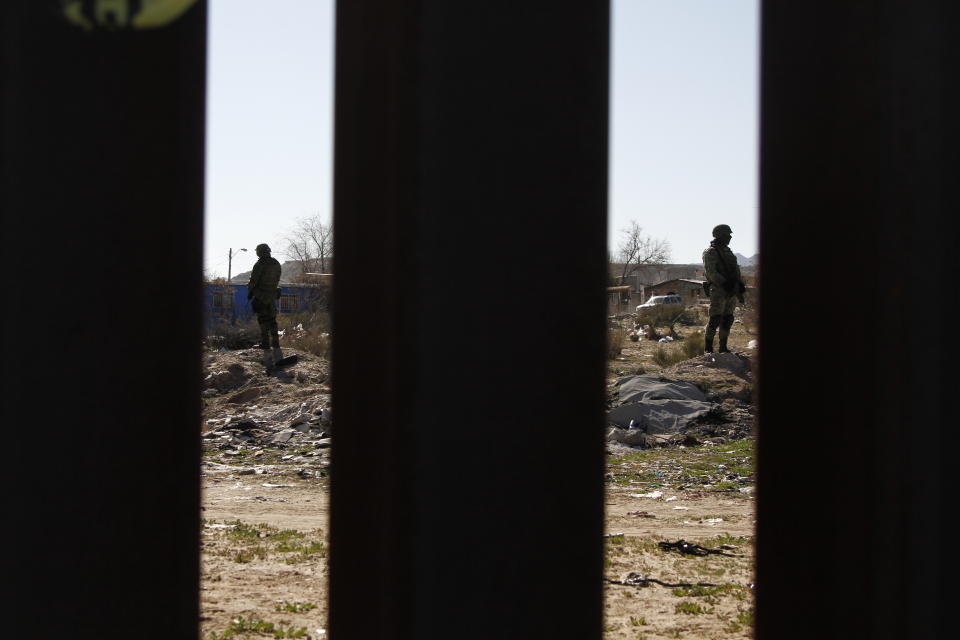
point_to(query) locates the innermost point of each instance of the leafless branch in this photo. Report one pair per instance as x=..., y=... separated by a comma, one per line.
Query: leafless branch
x=637, y=249
x=310, y=242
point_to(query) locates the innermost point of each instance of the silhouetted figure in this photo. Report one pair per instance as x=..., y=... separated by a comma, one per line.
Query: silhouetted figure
x=262, y=292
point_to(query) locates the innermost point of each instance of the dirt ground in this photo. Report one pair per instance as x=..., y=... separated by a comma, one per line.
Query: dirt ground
x=265, y=506
x=256, y=578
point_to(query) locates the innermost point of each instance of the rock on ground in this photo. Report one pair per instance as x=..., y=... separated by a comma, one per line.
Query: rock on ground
x=249, y=411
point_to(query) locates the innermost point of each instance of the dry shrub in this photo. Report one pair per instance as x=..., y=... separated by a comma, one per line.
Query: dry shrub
x=615, y=336
x=665, y=356
x=661, y=315
x=315, y=342
x=693, y=346
x=750, y=319
x=308, y=331
x=221, y=333
x=695, y=315
x=668, y=316
x=310, y=320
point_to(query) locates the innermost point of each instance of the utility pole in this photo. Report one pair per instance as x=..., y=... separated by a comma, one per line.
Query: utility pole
x=230, y=263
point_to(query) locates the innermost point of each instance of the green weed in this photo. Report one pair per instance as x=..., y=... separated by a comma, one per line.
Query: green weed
x=691, y=608
x=295, y=607
x=242, y=626
x=699, y=590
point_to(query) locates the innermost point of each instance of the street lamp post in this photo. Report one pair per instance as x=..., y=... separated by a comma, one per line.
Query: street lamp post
x=230, y=263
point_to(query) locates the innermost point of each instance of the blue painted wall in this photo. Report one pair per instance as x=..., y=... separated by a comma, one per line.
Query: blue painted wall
x=302, y=298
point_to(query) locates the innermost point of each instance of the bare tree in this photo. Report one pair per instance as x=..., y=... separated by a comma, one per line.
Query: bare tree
x=636, y=249
x=311, y=243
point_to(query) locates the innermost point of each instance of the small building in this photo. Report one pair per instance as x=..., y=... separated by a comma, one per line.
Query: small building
x=618, y=300
x=690, y=290
x=642, y=277
x=228, y=302
x=326, y=279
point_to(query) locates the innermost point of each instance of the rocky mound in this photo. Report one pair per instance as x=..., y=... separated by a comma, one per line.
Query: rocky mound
x=258, y=416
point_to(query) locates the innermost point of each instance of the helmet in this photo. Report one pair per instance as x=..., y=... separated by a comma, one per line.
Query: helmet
x=262, y=249
x=722, y=229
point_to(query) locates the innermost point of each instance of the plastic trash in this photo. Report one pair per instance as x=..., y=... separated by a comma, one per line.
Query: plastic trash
x=653, y=494
x=752, y=344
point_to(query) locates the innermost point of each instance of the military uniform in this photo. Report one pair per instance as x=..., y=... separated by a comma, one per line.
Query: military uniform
x=262, y=292
x=726, y=286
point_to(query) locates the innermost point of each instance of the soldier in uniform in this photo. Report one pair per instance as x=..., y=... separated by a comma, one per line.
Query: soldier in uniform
x=724, y=286
x=262, y=292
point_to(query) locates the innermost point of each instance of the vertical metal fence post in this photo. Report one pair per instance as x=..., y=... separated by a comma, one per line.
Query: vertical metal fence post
x=471, y=156
x=102, y=199
x=858, y=236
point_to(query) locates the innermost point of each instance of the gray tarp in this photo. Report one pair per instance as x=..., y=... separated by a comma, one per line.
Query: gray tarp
x=658, y=416
x=657, y=407
x=637, y=388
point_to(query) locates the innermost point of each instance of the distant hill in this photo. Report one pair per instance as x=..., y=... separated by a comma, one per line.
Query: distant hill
x=289, y=271
x=744, y=261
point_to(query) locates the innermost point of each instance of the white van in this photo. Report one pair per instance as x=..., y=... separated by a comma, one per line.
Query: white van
x=655, y=301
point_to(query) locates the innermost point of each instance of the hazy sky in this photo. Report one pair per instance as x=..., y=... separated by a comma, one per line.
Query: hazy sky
x=683, y=122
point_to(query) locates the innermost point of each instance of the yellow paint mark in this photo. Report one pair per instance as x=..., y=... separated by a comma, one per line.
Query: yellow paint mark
x=115, y=13
x=156, y=13
x=122, y=14
x=73, y=11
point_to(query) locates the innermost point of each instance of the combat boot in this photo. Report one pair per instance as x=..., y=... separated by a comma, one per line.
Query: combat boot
x=723, y=345
x=277, y=355
x=267, y=358
x=708, y=345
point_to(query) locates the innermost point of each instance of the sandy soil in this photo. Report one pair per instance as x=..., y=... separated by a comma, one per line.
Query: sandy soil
x=253, y=590
x=265, y=526
x=718, y=522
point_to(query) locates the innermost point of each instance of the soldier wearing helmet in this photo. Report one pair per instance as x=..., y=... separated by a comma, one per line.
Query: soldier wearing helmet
x=724, y=286
x=262, y=292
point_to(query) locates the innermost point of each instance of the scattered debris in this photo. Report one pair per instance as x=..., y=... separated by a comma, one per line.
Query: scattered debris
x=634, y=579
x=736, y=363
x=690, y=549
x=291, y=422
x=286, y=361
